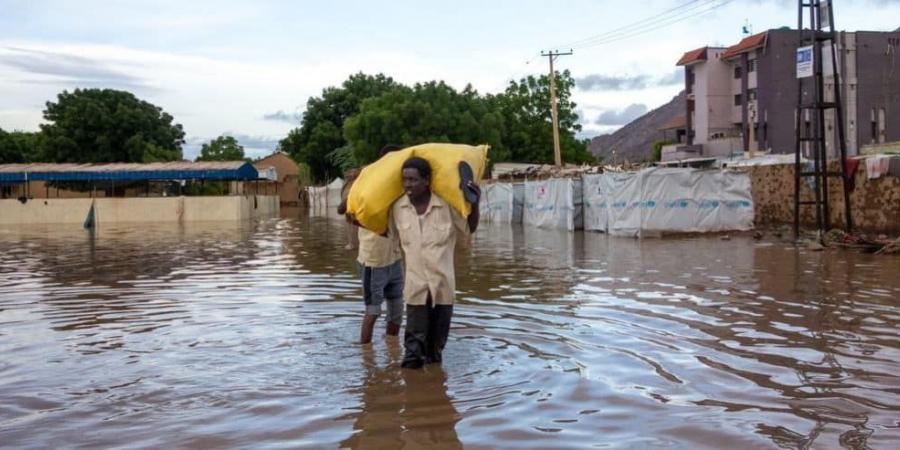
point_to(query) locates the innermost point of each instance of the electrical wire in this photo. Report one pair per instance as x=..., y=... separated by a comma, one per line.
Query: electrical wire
x=687, y=14
x=643, y=22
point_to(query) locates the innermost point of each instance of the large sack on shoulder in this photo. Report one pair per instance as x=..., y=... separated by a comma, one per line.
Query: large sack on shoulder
x=380, y=184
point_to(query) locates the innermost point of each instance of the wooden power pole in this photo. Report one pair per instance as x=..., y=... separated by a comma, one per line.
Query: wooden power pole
x=554, y=115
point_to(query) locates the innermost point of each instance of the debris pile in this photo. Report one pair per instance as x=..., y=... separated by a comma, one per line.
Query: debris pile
x=880, y=245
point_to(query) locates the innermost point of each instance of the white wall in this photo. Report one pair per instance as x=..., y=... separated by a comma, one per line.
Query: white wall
x=143, y=209
x=713, y=96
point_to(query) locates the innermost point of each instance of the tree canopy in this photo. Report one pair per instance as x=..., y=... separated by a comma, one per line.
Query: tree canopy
x=427, y=112
x=18, y=146
x=107, y=125
x=528, y=129
x=321, y=130
x=222, y=148
x=347, y=125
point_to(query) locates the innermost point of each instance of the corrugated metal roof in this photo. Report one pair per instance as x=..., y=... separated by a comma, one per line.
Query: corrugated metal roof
x=176, y=170
x=746, y=44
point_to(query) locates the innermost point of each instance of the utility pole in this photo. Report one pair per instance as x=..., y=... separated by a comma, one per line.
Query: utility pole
x=554, y=115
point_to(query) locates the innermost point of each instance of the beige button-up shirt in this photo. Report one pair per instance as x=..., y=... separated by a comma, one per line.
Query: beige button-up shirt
x=376, y=250
x=428, y=249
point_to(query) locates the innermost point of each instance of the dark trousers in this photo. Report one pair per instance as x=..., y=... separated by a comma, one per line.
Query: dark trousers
x=427, y=327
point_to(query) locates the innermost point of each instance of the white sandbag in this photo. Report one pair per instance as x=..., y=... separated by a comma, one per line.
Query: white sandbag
x=317, y=200
x=496, y=204
x=550, y=204
x=660, y=200
x=596, y=192
x=333, y=198
x=625, y=207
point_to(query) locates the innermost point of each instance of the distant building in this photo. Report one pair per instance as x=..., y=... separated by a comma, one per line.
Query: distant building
x=744, y=97
x=288, y=178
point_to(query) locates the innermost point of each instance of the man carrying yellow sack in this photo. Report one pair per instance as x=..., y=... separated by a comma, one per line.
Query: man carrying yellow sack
x=428, y=229
x=381, y=271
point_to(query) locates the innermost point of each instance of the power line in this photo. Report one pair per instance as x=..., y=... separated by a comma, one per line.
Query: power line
x=688, y=10
x=633, y=24
x=657, y=26
x=653, y=23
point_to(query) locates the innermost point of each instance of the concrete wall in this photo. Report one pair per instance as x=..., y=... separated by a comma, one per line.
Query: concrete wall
x=729, y=146
x=152, y=209
x=878, y=61
x=867, y=62
x=875, y=204
x=712, y=96
x=777, y=91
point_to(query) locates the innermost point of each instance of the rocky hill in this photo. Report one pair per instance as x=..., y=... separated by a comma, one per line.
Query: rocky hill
x=634, y=141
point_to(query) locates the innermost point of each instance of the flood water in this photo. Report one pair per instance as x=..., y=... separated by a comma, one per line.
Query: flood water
x=243, y=336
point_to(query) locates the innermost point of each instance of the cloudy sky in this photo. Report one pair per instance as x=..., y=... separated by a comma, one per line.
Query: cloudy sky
x=247, y=68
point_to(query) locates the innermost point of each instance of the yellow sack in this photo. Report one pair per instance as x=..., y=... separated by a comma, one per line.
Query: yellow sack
x=380, y=184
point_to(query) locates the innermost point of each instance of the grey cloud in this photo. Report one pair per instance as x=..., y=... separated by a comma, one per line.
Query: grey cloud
x=600, y=82
x=282, y=116
x=69, y=69
x=587, y=134
x=613, y=117
x=251, y=141
x=672, y=79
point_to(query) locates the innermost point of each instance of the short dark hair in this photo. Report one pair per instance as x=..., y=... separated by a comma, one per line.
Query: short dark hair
x=388, y=148
x=420, y=164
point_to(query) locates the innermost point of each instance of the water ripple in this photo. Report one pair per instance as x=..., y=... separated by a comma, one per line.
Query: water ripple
x=242, y=335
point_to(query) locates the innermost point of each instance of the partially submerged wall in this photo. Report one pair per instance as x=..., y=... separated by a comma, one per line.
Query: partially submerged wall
x=875, y=204
x=144, y=209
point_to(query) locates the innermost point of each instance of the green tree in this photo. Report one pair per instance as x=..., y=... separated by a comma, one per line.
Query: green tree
x=528, y=130
x=222, y=148
x=106, y=125
x=428, y=112
x=321, y=130
x=656, y=152
x=19, y=146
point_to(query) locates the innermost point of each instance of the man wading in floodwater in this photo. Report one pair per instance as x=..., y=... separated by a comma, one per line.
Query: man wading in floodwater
x=428, y=229
x=382, y=275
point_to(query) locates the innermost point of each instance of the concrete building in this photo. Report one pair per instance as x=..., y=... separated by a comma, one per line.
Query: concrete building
x=743, y=98
x=288, y=173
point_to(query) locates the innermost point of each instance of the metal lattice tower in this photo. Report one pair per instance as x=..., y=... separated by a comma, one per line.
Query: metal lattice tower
x=810, y=115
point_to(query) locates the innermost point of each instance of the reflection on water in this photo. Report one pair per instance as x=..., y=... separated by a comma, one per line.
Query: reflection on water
x=242, y=335
x=403, y=408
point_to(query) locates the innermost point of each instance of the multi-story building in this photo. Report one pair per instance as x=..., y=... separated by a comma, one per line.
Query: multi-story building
x=743, y=98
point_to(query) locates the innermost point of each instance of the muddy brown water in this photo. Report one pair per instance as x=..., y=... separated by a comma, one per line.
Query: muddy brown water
x=242, y=336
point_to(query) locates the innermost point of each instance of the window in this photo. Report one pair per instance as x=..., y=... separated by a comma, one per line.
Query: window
x=751, y=94
x=874, y=127
x=737, y=100
x=751, y=66
x=737, y=72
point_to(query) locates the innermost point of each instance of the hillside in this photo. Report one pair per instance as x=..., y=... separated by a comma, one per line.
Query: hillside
x=634, y=140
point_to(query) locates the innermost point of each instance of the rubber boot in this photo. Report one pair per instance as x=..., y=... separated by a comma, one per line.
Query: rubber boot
x=368, y=326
